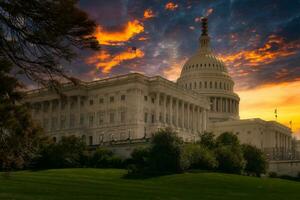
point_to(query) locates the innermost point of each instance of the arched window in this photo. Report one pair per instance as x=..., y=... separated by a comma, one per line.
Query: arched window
x=200, y=84
x=195, y=85
x=220, y=84
x=205, y=84
x=210, y=84
x=216, y=85
x=190, y=85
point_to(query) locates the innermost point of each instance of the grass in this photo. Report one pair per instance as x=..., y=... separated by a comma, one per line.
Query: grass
x=106, y=184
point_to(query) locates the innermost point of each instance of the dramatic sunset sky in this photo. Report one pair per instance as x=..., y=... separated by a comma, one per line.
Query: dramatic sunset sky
x=258, y=40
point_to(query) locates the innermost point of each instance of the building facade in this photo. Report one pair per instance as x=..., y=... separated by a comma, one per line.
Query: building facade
x=128, y=108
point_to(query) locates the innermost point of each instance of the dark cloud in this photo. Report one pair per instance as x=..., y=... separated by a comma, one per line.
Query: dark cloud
x=234, y=25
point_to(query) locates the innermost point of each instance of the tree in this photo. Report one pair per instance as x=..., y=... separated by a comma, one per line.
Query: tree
x=255, y=160
x=37, y=36
x=195, y=156
x=207, y=139
x=68, y=152
x=165, y=150
x=229, y=153
x=19, y=135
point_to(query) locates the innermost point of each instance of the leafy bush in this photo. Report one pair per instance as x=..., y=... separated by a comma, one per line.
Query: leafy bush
x=207, y=140
x=229, y=153
x=139, y=161
x=198, y=157
x=255, y=160
x=227, y=139
x=165, y=150
x=68, y=152
x=273, y=175
x=230, y=159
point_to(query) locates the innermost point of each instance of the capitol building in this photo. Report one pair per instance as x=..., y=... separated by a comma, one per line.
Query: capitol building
x=124, y=111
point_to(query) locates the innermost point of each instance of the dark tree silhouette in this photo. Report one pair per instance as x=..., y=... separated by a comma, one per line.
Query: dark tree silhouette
x=36, y=36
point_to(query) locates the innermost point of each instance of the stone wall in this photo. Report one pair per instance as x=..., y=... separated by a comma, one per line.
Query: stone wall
x=290, y=168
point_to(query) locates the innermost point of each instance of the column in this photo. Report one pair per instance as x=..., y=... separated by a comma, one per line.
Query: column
x=192, y=117
x=157, y=108
x=177, y=114
x=215, y=104
x=204, y=120
x=188, y=115
x=182, y=114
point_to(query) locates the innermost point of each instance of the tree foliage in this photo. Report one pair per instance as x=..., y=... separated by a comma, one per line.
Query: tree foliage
x=37, y=36
x=19, y=135
x=68, y=152
x=255, y=160
x=229, y=153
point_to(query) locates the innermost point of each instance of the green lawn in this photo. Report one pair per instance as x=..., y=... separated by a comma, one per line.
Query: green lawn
x=109, y=184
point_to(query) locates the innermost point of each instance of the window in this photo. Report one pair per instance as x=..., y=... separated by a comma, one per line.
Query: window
x=146, y=98
x=145, y=117
x=152, y=100
x=101, y=100
x=152, y=118
x=210, y=84
x=91, y=102
x=123, y=97
x=101, y=117
x=123, y=116
x=82, y=103
x=54, y=139
x=205, y=84
x=90, y=140
x=112, y=117
x=53, y=123
x=81, y=119
x=111, y=99
x=91, y=120
x=83, y=138
x=62, y=121
x=200, y=84
x=195, y=85
x=46, y=124
x=72, y=120
x=216, y=85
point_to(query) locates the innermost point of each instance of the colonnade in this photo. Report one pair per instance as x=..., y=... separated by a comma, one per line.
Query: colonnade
x=222, y=104
x=179, y=113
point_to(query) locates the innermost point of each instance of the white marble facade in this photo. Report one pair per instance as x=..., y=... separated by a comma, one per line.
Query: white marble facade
x=124, y=107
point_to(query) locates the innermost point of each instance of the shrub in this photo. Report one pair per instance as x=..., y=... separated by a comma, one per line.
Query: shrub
x=255, y=160
x=139, y=160
x=207, y=140
x=198, y=157
x=104, y=158
x=164, y=154
x=230, y=159
x=69, y=152
x=227, y=139
x=273, y=175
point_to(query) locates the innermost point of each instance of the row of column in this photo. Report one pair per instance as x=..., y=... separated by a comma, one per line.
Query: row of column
x=282, y=141
x=219, y=104
x=179, y=113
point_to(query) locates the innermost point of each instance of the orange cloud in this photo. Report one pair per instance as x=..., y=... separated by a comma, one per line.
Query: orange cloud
x=209, y=12
x=105, y=61
x=118, y=37
x=173, y=72
x=148, y=13
x=274, y=48
x=262, y=101
x=171, y=6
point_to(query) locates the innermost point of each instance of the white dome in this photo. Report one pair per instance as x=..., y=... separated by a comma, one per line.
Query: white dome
x=208, y=75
